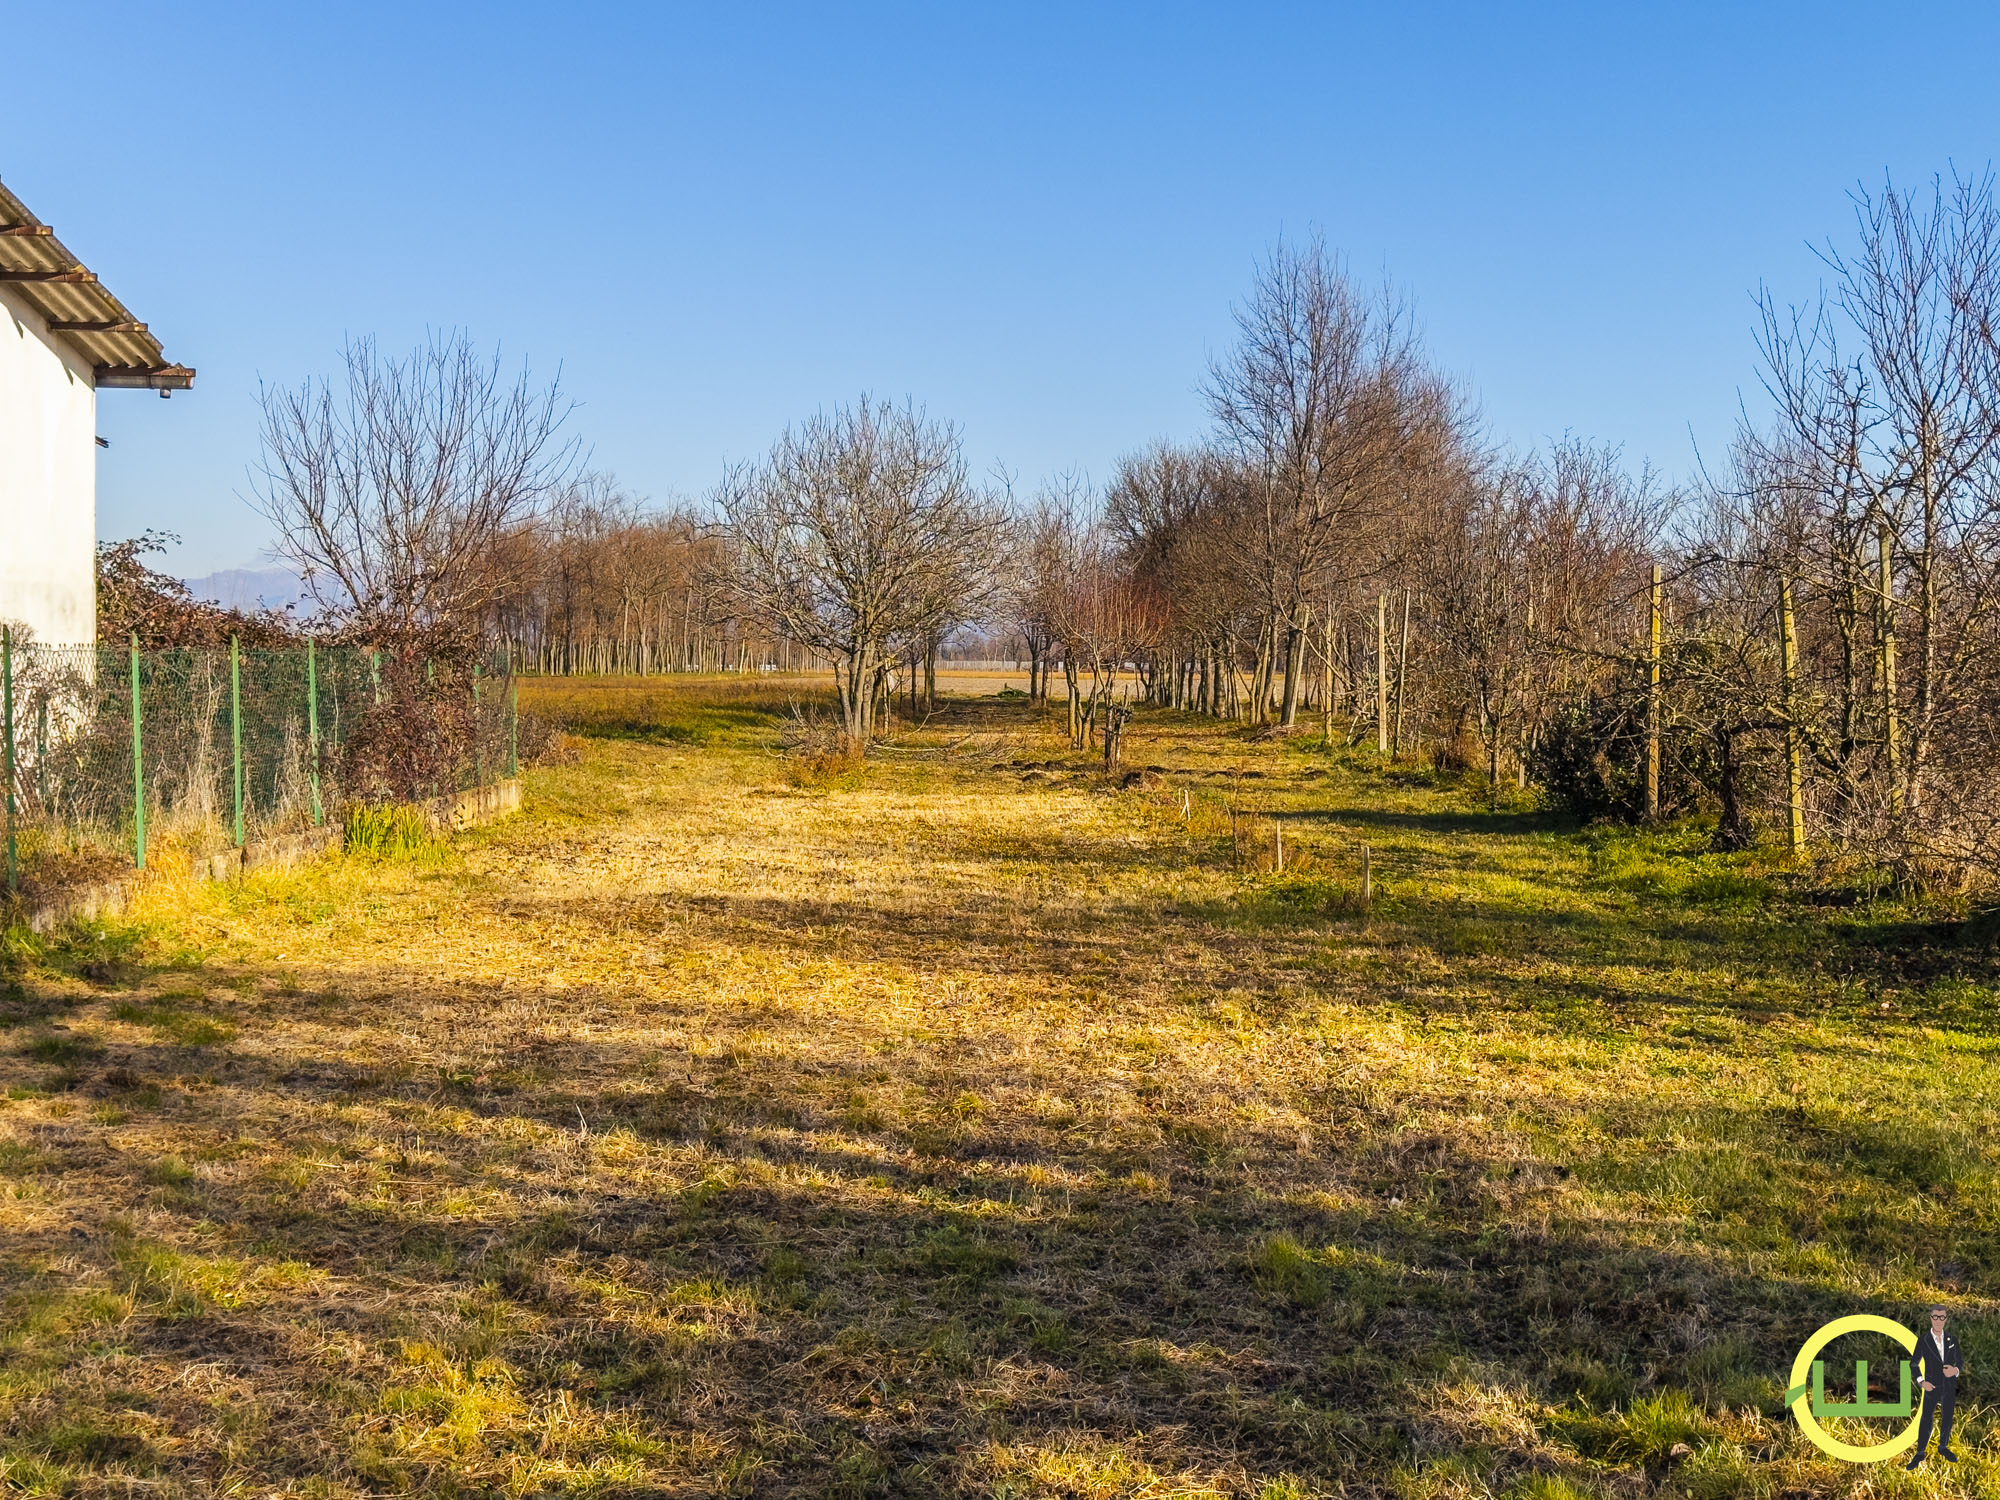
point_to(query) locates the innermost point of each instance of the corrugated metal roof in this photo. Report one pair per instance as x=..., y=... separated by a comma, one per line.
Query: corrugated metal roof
x=36, y=267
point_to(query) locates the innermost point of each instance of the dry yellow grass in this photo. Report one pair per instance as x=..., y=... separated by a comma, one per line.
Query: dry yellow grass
x=967, y=1126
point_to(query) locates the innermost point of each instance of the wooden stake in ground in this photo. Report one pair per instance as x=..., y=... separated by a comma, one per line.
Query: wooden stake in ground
x=1327, y=680
x=1382, y=674
x=1788, y=657
x=1367, y=879
x=1402, y=674
x=1886, y=634
x=1653, y=702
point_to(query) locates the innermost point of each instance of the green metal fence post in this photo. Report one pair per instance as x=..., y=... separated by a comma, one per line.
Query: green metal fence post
x=7, y=691
x=42, y=753
x=513, y=728
x=312, y=730
x=236, y=726
x=138, y=765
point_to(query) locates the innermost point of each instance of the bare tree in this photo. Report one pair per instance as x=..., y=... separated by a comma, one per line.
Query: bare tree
x=1318, y=400
x=860, y=532
x=1167, y=513
x=391, y=485
x=1876, y=492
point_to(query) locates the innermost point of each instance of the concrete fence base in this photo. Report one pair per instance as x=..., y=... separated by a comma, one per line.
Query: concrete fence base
x=483, y=804
x=107, y=898
x=83, y=903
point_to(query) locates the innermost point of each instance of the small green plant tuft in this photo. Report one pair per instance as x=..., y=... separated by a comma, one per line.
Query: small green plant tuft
x=1717, y=1471
x=391, y=832
x=1545, y=1487
x=1655, y=1425
x=1291, y=1273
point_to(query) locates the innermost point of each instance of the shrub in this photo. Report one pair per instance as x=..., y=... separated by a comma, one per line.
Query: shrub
x=1591, y=760
x=826, y=769
x=543, y=740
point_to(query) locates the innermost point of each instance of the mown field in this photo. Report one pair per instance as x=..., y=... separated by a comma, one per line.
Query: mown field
x=970, y=1125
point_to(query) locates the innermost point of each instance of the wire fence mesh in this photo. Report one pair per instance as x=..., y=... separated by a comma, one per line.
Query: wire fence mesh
x=116, y=755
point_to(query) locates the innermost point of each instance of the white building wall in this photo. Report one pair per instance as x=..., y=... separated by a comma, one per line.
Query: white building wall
x=48, y=481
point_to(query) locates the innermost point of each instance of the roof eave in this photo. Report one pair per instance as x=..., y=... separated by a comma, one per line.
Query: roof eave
x=77, y=309
x=165, y=378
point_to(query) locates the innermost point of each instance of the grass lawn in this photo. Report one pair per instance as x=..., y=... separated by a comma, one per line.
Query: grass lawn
x=967, y=1125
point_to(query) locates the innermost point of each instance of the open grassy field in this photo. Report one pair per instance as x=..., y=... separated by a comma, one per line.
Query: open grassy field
x=971, y=1126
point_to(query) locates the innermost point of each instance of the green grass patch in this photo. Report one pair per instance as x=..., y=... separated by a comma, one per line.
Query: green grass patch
x=173, y=1022
x=963, y=1134
x=389, y=832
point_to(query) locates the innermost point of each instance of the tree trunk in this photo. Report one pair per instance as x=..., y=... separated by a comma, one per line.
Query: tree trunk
x=1326, y=678
x=856, y=680
x=1886, y=634
x=1732, y=829
x=1788, y=659
x=1295, y=641
x=1402, y=672
x=1260, y=681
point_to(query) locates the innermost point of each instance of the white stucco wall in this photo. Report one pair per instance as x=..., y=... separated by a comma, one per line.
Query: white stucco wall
x=48, y=481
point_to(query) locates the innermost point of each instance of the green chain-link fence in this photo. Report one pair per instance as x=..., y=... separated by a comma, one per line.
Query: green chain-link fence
x=120, y=753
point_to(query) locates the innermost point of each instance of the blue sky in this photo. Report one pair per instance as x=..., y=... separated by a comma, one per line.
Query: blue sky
x=1034, y=219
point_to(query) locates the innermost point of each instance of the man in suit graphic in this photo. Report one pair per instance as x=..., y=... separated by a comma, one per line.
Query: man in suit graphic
x=1937, y=1367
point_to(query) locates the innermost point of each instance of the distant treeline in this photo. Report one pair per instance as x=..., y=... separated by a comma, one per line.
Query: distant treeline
x=599, y=583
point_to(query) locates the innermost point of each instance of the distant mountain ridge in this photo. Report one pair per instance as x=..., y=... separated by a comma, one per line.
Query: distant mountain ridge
x=249, y=588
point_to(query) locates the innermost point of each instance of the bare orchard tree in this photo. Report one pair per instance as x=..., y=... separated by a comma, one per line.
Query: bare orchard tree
x=1319, y=399
x=1883, y=465
x=1158, y=512
x=391, y=484
x=1528, y=570
x=1092, y=607
x=859, y=532
x=1035, y=556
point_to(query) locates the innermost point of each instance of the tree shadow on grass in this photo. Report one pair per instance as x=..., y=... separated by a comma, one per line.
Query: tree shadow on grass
x=742, y=1261
x=1453, y=822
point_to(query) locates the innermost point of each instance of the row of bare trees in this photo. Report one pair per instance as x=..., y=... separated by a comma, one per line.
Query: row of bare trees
x=1808, y=644
x=600, y=583
x=1343, y=550
x=435, y=505
x=1805, y=643
x=1834, y=633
